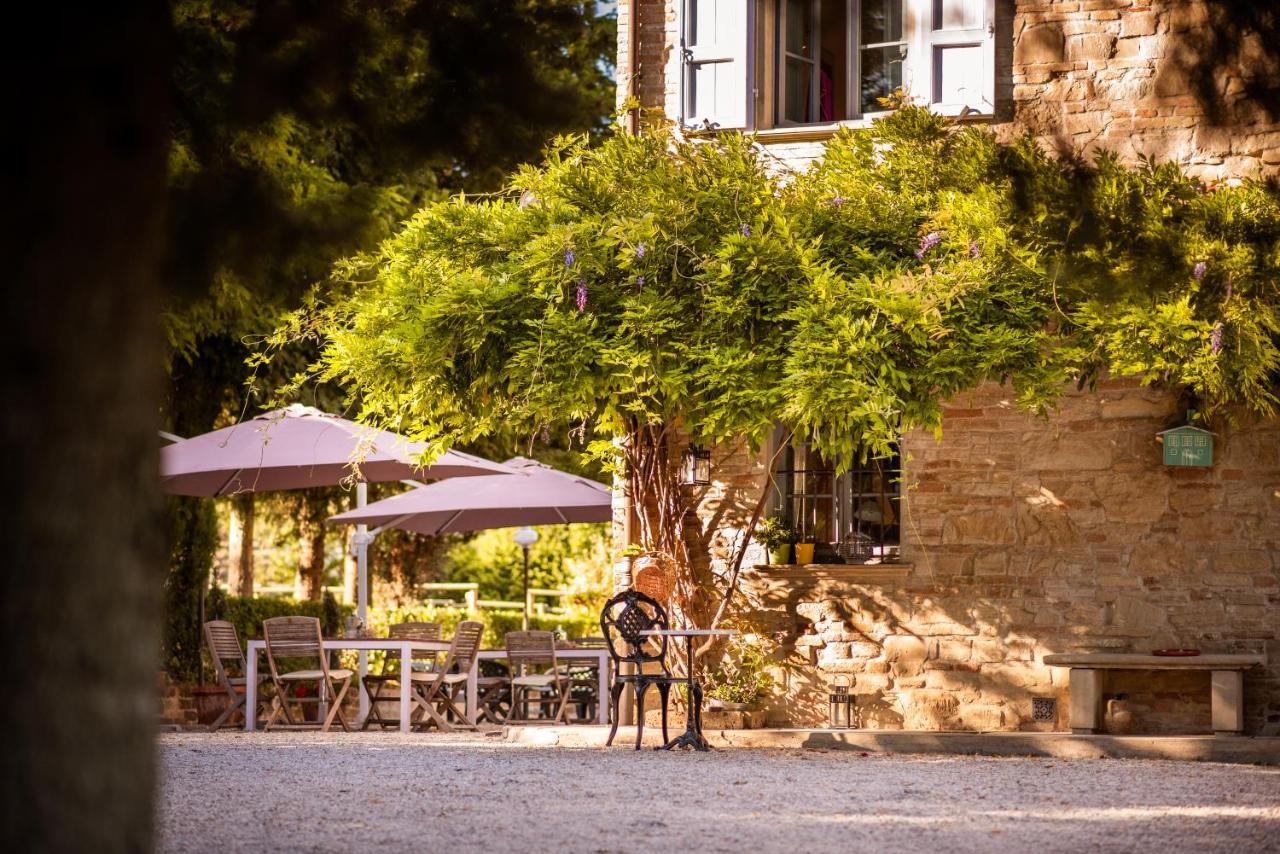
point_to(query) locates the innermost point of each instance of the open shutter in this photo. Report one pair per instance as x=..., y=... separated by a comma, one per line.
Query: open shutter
x=716, y=37
x=959, y=63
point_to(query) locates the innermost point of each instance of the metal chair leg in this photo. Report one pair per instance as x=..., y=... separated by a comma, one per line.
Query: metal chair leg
x=615, y=694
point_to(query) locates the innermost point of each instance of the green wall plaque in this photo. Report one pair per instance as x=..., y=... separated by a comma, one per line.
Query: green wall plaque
x=1187, y=446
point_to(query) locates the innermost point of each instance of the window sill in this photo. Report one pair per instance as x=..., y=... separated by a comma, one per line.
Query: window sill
x=820, y=133
x=875, y=572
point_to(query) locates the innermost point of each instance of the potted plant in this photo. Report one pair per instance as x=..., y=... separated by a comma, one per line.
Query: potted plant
x=740, y=680
x=776, y=536
x=804, y=550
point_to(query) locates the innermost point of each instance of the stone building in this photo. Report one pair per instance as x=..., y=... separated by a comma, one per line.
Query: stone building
x=939, y=592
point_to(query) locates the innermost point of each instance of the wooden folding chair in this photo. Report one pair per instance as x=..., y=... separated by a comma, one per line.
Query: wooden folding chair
x=423, y=661
x=435, y=694
x=224, y=647
x=299, y=637
x=527, y=651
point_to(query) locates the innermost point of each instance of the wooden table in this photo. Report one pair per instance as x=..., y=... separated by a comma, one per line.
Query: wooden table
x=692, y=735
x=406, y=648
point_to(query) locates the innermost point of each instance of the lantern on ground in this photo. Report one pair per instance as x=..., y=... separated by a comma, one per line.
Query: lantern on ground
x=840, y=711
x=695, y=466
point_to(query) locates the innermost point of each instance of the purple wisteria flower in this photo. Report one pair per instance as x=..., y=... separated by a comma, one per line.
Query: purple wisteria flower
x=569, y=258
x=745, y=229
x=927, y=242
x=974, y=249
x=1215, y=339
x=640, y=281
x=580, y=295
x=640, y=250
x=838, y=201
x=1199, y=270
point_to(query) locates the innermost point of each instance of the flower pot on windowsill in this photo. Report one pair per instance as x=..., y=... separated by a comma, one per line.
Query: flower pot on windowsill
x=804, y=553
x=780, y=556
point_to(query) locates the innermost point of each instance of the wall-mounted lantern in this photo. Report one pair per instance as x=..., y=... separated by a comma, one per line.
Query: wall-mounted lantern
x=695, y=466
x=840, y=711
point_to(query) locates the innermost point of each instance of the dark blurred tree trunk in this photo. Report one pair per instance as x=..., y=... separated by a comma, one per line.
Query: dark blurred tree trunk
x=84, y=189
x=240, y=546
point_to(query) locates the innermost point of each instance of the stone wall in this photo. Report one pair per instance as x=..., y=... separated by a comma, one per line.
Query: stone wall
x=1026, y=537
x=1079, y=75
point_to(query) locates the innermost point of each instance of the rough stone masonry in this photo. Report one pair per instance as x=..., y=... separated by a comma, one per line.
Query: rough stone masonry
x=1024, y=536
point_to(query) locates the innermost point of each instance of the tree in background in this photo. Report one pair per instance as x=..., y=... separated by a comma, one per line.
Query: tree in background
x=303, y=132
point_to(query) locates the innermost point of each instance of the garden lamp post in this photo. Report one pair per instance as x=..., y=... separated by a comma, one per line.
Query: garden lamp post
x=526, y=537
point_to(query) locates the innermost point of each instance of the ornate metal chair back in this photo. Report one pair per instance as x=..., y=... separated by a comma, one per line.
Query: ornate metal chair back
x=622, y=621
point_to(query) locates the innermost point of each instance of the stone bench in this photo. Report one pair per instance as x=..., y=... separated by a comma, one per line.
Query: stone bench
x=1226, y=683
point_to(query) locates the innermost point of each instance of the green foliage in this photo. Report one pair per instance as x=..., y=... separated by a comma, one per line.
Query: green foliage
x=742, y=675
x=564, y=557
x=652, y=282
x=774, y=533
x=247, y=615
x=194, y=533
x=470, y=324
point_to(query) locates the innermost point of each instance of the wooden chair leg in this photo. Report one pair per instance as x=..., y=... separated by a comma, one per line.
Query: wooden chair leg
x=235, y=702
x=459, y=713
x=615, y=694
x=335, y=706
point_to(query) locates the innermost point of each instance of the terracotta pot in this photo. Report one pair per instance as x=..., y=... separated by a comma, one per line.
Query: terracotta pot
x=804, y=553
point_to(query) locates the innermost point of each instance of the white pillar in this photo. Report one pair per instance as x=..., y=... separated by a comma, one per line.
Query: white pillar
x=362, y=588
x=1227, y=702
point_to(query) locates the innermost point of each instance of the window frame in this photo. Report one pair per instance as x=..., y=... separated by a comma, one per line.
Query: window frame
x=842, y=515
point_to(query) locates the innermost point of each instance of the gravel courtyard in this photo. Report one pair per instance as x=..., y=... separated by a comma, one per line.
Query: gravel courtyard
x=335, y=792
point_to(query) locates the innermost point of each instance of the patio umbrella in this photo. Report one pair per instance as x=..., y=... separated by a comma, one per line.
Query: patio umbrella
x=296, y=448
x=535, y=494
x=299, y=447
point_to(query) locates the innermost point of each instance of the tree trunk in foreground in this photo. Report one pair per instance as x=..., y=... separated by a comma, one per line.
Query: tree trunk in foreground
x=84, y=189
x=240, y=547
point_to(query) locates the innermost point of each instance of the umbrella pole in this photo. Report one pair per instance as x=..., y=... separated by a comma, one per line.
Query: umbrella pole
x=362, y=588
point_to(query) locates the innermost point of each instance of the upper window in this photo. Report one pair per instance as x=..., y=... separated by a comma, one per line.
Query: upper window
x=781, y=63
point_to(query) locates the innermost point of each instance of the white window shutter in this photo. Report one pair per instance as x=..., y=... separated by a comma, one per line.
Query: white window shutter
x=958, y=68
x=716, y=42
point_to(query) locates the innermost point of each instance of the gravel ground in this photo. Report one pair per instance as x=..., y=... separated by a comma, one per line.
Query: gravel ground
x=461, y=793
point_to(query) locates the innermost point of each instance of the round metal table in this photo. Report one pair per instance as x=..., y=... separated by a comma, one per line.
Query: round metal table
x=692, y=735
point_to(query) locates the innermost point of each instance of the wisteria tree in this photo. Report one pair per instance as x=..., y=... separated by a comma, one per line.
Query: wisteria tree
x=652, y=291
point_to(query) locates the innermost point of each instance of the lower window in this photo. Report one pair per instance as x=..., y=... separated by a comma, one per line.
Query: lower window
x=852, y=517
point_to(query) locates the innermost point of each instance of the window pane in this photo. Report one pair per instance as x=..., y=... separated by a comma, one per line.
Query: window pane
x=796, y=100
x=881, y=21
x=881, y=75
x=799, y=26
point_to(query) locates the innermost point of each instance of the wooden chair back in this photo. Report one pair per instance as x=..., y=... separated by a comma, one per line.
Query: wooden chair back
x=418, y=632
x=224, y=645
x=293, y=637
x=530, y=648
x=466, y=642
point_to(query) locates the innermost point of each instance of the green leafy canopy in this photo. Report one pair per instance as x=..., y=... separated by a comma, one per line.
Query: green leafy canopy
x=655, y=280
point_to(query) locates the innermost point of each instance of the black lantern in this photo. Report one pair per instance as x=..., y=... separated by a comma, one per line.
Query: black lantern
x=695, y=467
x=840, y=713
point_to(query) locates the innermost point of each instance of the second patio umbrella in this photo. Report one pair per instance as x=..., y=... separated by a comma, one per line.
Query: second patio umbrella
x=535, y=494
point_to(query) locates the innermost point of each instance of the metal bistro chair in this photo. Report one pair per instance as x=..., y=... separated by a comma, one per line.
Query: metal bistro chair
x=423, y=661
x=436, y=693
x=624, y=617
x=299, y=637
x=535, y=649
x=224, y=647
